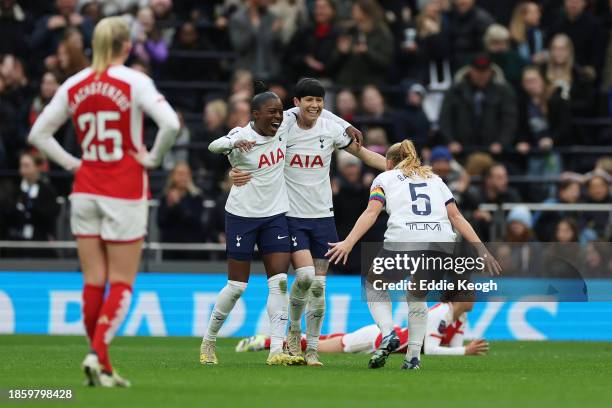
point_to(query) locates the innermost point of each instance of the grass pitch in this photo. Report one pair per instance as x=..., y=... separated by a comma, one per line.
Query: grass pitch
x=165, y=372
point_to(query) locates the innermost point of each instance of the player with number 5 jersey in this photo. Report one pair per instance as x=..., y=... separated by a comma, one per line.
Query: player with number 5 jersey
x=107, y=103
x=413, y=196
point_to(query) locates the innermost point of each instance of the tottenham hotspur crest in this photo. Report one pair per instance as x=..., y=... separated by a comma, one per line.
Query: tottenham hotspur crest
x=238, y=238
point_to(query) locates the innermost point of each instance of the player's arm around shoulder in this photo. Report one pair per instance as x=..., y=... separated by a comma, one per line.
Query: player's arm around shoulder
x=369, y=157
x=236, y=138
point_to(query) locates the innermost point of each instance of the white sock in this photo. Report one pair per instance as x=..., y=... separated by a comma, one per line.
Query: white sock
x=315, y=312
x=299, y=296
x=417, y=325
x=278, y=301
x=381, y=308
x=223, y=306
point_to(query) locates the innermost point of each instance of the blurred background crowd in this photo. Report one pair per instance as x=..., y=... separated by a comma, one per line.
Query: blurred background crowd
x=509, y=101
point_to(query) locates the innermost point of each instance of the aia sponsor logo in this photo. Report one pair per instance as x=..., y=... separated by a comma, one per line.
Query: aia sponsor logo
x=271, y=158
x=306, y=161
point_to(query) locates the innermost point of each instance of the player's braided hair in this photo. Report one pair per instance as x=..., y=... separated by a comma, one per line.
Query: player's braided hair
x=404, y=157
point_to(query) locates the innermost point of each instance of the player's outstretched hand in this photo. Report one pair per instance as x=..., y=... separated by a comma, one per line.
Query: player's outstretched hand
x=477, y=347
x=239, y=178
x=339, y=251
x=244, y=145
x=143, y=157
x=491, y=266
x=356, y=134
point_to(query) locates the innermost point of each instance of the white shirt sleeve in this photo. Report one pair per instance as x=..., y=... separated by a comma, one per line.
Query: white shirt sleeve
x=155, y=105
x=55, y=114
x=436, y=325
x=225, y=144
x=341, y=139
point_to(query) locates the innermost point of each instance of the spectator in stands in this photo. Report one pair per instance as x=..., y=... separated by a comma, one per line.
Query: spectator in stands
x=216, y=222
x=49, y=30
x=416, y=123
x=429, y=54
x=180, y=151
x=32, y=213
x=346, y=105
x=561, y=72
x=497, y=45
x=526, y=33
x=450, y=171
x=598, y=192
x=568, y=192
x=148, y=45
x=91, y=9
x=545, y=121
x=241, y=86
x=215, y=116
x=239, y=114
x=292, y=14
x=350, y=198
x=566, y=231
x=49, y=84
x=586, y=34
x=11, y=140
x=479, y=110
x=375, y=139
x=311, y=48
x=365, y=52
x=70, y=55
x=180, y=210
x=188, y=38
x=375, y=112
x=494, y=190
x=519, y=225
x=468, y=23
x=255, y=35
x=164, y=18
x=14, y=27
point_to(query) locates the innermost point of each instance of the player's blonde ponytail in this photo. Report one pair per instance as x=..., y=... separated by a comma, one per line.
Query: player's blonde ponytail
x=110, y=35
x=404, y=157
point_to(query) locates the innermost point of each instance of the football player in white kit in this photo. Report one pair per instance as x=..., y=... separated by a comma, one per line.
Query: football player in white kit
x=410, y=193
x=255, y=214
x=313, y=134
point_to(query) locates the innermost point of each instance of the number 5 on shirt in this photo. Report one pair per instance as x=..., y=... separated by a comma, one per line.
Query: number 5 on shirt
x=415, y=196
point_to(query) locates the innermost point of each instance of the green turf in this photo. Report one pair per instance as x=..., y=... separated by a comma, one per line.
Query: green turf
x=165, y=373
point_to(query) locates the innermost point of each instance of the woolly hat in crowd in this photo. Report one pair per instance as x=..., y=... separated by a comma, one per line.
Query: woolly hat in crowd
x=521, y=214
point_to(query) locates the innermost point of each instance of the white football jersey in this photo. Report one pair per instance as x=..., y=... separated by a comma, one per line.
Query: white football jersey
x=266, y=194
x=309, y=155
x=416, y=207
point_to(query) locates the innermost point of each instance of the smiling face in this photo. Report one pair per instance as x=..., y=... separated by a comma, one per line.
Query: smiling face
x=310, y=107
x=269, y=117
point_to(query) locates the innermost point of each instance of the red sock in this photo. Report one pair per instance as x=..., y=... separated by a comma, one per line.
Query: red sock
x=93, y=297
x=111, y=316
x=303, y=343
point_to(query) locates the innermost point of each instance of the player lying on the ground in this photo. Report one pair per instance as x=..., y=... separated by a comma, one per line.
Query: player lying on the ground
x=445, y=335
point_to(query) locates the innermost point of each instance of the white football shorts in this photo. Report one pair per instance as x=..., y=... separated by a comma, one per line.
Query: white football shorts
x=113, y=221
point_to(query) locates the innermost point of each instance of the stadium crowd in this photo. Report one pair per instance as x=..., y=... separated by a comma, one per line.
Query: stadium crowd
x=486, y=89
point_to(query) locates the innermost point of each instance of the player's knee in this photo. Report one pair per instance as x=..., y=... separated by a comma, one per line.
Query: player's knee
x=277, y=284
x=318, y=287
x=236, y=288
x=304, y=277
